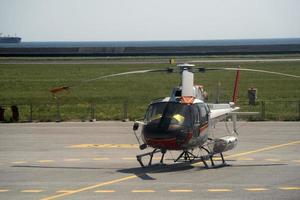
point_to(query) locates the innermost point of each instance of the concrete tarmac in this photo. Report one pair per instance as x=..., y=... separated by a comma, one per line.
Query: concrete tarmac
x=96, y=160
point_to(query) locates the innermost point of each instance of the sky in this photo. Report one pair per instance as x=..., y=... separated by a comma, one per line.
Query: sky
x=140, y=20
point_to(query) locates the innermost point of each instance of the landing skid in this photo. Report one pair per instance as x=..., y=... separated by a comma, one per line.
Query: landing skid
x=210, y=157
x=151, y=154
x=187, y=156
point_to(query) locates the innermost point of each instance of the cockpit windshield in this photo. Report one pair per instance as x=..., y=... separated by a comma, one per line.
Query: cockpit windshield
x=170, y=113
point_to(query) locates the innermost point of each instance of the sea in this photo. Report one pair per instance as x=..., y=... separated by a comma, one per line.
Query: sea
x=172, y=43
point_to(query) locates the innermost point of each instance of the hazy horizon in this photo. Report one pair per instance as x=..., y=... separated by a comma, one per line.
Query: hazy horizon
x=141, y=20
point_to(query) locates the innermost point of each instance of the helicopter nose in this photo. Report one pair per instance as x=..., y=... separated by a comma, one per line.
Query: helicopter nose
x=171, y=138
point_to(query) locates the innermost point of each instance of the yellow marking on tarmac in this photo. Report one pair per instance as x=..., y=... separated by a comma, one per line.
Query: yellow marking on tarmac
x=272, y=159
x=263, y=149
x=289, y=188
x=256, y=189
x=105, y=191
x=45, y=161
x=72, y=159
x=198, y=164
x=219, y=190
x=97, y=159
x=125, y=146
x=180, y=191
x=65, y=191
x=143, y=191
x=245, y=159
x=129, y=158
x=297, y=161
x=32, y=191
x=90, y=187
x=135, y=176
x=4, y=190
x=19, y=162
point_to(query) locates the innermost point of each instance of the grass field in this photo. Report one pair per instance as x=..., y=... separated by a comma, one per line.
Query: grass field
x=30, y=84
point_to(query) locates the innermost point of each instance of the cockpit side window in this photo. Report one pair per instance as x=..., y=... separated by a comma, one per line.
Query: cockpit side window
x=203, y=118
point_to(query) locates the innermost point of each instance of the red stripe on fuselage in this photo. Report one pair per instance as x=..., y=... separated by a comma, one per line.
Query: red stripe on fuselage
x=202, y=128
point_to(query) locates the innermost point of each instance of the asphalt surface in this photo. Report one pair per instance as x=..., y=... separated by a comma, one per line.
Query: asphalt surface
x=96, y=160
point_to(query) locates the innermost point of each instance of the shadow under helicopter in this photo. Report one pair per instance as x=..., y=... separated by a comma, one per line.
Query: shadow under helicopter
x=143, y=173
x=183, y=166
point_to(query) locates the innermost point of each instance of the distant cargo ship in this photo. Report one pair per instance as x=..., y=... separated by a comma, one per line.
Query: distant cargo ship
x=9, y=39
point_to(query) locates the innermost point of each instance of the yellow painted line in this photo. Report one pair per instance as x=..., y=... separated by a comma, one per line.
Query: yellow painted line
x=245, y=158
x=135, y=176
x=45, y=161
x=105, y=191
x=125, y=146
x=219, y=190
x=143, y=191
x=32, y=191
x=297, y=161
x=19, y=162
x=272, y=159
x=90, y=187
x=256, y=189
x=289, y=188
x=129, y=158
x=72, y=159
x=198, y=164
x=180, y=191
x=64, y=191
x=263, y=149
x=4, y=190
x=97, y=159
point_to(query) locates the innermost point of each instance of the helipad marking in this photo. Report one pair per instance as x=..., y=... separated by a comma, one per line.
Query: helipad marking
x=122, y=146
x=19, y=162
x=72, y=159
x=45, y=161
x=143, y=191
x=219, y=190
x=289, y=188
x=135, y=176
x=263, y=149
x=129, y=158
x=90, y=187
x=256, y=189
x=245, y=159
x=64, y=191
x=105, y=191
x=4, y=190
x=97, y=159
x=180, y=191
x=272, y=159
x=32, y=191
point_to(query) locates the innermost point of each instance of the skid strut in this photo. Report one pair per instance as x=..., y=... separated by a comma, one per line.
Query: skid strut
x=151, y=154
x=210, y=156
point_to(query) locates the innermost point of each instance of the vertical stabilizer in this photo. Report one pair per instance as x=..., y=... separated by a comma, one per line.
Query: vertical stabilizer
x=236, y=86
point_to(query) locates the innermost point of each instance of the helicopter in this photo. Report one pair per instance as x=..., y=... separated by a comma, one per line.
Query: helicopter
x=184, y=121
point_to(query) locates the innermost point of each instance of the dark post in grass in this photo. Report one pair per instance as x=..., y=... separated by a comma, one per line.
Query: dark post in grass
x=125, y=108
x=58, y=117
x=263, y=110
x=92, y=112
x=299, y=110
x=30, y=112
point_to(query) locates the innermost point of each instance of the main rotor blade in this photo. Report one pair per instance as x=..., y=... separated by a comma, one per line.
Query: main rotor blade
x=63, y=88
x=127, y=73
x=250, y=70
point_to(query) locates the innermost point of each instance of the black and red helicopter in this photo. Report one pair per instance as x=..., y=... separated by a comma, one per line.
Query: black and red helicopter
x=184, y=121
